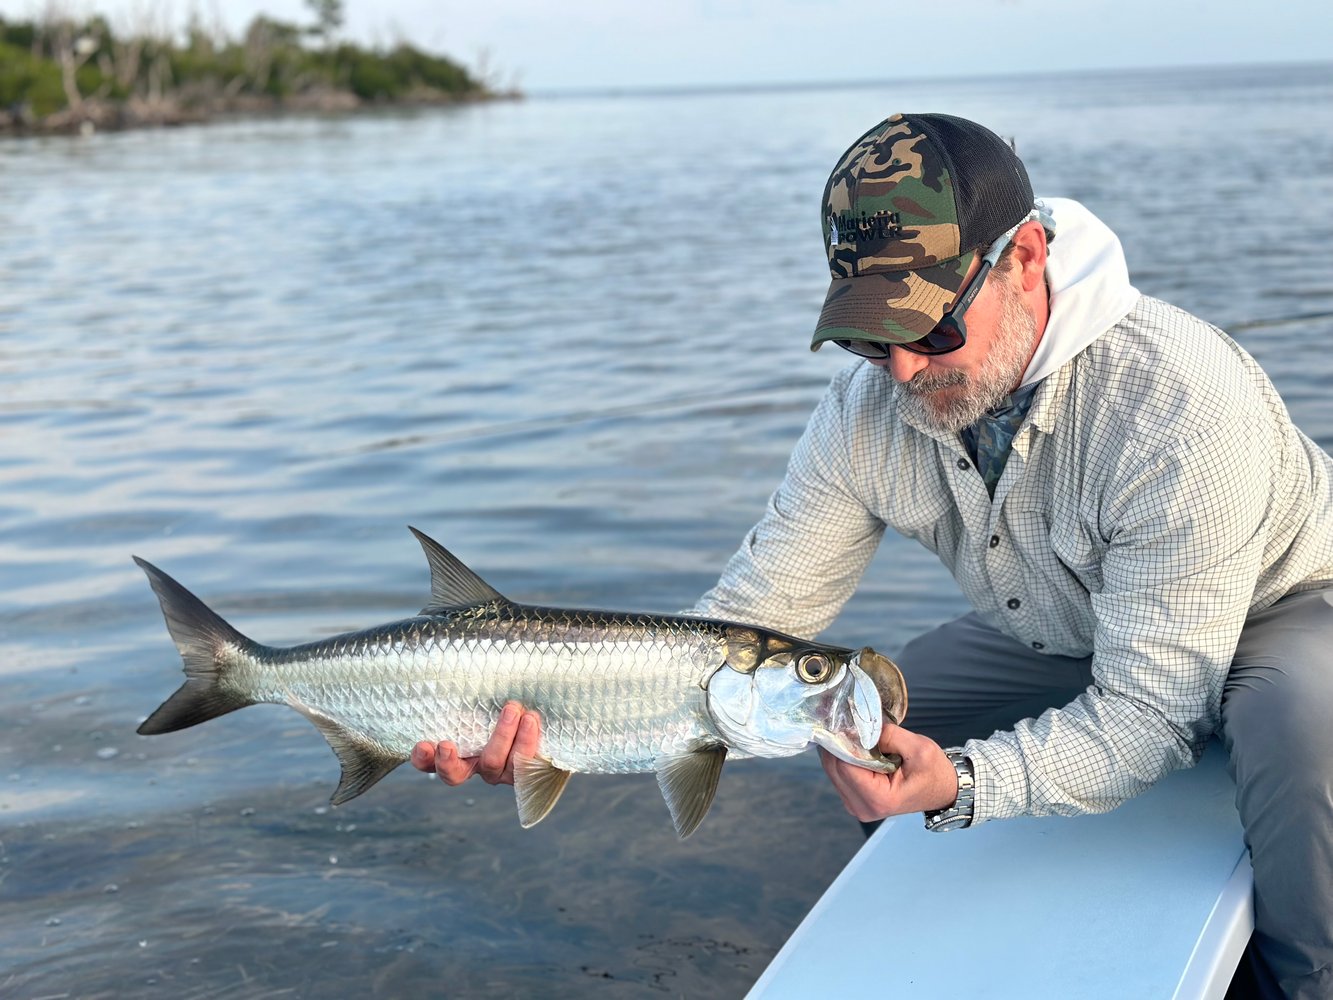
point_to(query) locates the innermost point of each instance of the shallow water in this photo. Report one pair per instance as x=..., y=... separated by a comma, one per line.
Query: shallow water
x=567, y=337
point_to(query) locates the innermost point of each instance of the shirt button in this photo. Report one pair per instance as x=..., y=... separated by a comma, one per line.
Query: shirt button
x=1013, y=603
x=1039, y=645
x=963, y=463
x=994, y=540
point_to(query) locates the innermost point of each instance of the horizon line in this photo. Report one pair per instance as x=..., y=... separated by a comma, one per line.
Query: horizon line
x=704, y=89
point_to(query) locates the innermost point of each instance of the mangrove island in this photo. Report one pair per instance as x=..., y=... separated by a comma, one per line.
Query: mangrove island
x=58, y=74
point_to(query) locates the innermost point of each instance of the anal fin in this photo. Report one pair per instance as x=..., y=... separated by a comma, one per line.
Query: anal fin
x=364, y=761
x=538, y=785
x=689, y=782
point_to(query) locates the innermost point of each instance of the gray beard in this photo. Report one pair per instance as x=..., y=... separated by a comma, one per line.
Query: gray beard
x=994, y=380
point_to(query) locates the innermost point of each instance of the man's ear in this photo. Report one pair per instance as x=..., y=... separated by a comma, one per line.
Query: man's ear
x=1030, y=253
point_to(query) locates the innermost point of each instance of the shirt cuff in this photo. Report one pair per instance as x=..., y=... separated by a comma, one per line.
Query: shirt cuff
x=1001, y=784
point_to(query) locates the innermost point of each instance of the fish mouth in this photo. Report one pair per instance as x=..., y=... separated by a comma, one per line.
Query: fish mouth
x=847, y=749
x=857, y=722
x=878, y=695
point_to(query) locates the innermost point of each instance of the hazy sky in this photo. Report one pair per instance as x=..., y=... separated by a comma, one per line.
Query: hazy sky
x=574, y=44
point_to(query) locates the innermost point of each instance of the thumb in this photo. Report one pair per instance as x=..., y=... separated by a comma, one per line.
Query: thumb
x=895, y=739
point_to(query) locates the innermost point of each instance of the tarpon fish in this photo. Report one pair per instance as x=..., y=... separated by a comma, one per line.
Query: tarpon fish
x=617, y=692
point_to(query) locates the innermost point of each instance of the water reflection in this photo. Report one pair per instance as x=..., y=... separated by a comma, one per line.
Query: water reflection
x=568, y=338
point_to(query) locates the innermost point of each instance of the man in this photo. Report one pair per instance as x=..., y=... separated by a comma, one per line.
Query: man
x=1145, y=537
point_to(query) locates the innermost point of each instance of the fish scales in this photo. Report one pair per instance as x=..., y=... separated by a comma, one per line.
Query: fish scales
x=616, y=691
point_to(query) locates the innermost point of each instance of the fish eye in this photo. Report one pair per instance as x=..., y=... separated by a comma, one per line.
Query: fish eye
x=813, y=668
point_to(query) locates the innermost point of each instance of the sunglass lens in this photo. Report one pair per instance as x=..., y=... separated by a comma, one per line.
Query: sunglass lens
x=864, y=348
x=947, y=336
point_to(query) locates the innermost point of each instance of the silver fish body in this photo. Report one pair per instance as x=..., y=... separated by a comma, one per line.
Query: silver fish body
x=617, y=692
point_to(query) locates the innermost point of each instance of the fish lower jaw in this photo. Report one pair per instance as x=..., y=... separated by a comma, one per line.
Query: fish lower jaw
x=849, y=750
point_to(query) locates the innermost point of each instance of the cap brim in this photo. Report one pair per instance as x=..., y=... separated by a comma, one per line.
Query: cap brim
x=891, y=307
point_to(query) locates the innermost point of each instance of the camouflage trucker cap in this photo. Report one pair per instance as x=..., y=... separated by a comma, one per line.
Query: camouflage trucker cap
x=904, y=211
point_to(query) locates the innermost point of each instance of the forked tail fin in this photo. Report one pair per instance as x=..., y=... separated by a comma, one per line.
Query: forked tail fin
x=204, y=640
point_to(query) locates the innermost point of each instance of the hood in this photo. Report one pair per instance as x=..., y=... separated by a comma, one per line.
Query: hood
x=1088, y=283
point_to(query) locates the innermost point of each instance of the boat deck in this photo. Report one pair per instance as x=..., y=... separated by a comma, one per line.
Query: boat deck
x=1150, y=900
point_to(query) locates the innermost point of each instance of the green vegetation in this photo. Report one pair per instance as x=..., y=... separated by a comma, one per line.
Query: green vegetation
x=60, y=74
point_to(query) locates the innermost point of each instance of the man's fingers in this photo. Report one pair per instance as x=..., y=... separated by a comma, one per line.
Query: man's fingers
x=423, y=756
x=529, y=735
x=526, y=742
x=442, y=759
x=843, y=783
x=892, y=739
x=516, y=732
x=453, y=769
x=493, y=761
x=864, y=793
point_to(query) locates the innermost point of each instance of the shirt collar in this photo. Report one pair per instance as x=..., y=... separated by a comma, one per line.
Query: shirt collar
x=1050, y=394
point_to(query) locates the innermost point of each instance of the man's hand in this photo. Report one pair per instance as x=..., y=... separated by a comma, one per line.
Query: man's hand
x=926, y=780
x=517, y=732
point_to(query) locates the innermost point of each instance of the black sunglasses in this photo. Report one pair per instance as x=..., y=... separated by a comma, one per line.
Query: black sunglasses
x=950, y=333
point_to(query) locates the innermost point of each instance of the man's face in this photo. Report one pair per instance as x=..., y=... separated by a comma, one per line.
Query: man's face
x=947, y=392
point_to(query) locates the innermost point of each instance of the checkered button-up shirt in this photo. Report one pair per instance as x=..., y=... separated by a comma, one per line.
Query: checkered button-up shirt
x=1156, y=494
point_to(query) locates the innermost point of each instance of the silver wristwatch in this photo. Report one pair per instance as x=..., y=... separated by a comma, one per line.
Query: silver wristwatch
x=958, y=815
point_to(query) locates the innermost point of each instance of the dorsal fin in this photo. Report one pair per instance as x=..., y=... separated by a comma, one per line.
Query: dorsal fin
x=452, y=585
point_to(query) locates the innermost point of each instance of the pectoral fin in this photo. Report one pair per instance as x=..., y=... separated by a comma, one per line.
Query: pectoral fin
x=689, y=782
x=363, y=760
x=537, y=787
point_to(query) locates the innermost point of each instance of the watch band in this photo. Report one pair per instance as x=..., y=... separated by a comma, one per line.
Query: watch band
x=959, y=815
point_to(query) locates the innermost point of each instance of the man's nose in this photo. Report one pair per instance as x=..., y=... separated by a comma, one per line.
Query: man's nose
x=902, y=364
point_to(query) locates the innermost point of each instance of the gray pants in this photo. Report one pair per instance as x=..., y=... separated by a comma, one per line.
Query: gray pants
x=965, y=680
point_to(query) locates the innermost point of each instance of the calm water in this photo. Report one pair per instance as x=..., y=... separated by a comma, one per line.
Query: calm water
x=567, y=337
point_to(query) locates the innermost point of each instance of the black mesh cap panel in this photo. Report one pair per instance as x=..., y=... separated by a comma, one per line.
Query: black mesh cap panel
x=991, y=186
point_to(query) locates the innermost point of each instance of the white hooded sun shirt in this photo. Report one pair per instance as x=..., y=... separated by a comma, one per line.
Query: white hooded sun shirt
x=1157, y=493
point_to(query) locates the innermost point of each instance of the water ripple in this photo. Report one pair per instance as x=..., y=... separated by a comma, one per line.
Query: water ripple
x=568, y=338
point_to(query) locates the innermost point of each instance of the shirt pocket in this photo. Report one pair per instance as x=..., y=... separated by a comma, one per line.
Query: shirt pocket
x=1056, y=551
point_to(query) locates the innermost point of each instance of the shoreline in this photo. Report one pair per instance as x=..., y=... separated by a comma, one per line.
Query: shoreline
x=94, y=115
x=63, y=76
